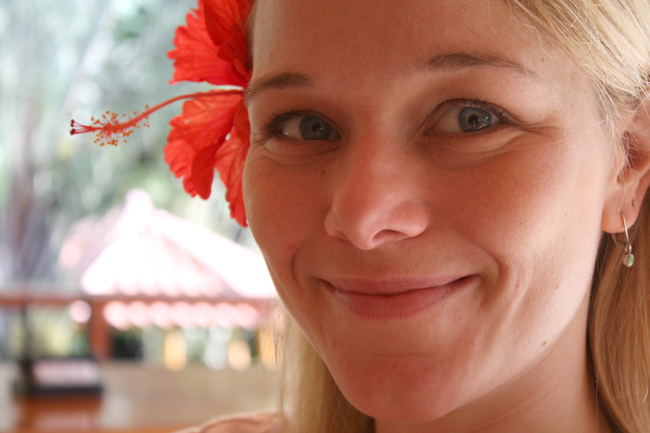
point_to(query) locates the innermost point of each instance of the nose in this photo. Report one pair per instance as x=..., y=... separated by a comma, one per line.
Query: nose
x=377, y=196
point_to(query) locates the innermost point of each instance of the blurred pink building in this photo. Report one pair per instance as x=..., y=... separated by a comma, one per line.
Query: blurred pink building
x=141, y=266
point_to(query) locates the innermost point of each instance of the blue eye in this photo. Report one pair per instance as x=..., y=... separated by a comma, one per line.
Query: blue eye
x=462, y=116
x=474, y=119
x=314, y=128
x=302, y=126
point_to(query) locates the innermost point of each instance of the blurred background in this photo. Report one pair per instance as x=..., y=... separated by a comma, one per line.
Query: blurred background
x=125, y=305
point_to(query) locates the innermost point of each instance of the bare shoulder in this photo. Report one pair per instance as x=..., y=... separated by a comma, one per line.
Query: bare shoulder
x=256, y=422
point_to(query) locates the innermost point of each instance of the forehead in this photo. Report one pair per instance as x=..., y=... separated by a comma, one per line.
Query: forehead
x=376, y=37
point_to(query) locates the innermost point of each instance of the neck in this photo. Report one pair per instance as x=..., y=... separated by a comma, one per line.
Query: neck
x=556, y=395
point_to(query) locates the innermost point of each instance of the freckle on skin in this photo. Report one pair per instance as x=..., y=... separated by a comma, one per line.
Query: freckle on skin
x=544, y=344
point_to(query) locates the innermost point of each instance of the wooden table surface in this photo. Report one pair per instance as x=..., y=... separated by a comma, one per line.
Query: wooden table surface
x=139, y=399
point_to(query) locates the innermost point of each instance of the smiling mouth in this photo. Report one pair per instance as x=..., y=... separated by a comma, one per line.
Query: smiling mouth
x=396, y=298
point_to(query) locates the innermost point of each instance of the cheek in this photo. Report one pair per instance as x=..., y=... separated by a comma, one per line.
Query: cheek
x=541, y=198
x=538, y=214
x=282, y=209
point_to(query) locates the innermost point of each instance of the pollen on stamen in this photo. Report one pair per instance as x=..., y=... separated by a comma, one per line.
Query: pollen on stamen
x=111, y=128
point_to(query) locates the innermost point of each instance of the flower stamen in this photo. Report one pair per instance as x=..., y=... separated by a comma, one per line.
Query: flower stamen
x=112, y=128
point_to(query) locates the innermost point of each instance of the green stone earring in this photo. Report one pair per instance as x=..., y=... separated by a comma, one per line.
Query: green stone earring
x=628, y=258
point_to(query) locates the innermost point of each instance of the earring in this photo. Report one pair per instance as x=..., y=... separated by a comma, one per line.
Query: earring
x=628, y=259
x=634, y=203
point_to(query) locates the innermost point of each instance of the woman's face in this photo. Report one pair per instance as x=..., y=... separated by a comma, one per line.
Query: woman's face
x=426, y=182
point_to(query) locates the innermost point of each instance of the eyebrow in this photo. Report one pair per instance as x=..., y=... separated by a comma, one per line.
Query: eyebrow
x=441, y=63
x=282, y=80
x=458, y=61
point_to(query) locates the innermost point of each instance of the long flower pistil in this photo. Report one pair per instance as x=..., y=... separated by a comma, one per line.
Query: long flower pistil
x=112, y=128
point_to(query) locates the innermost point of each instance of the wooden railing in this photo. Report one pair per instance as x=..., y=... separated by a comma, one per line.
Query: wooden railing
x=98, y=328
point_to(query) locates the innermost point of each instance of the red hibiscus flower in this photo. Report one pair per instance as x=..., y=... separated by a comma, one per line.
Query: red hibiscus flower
x=213, y=130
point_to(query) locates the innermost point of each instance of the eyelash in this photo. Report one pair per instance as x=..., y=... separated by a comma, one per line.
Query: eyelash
x=500, y=113
x=272, y=127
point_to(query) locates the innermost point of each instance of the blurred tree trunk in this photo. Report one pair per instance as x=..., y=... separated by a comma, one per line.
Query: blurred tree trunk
x=63, y=58
x=33, y=85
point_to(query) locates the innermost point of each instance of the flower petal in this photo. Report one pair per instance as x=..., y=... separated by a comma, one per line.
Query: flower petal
x=203, y=171
x=226, y=24
x=212, y=47
x=196, y=57
x=195, y=137
x=230, y=163
x=222, y=15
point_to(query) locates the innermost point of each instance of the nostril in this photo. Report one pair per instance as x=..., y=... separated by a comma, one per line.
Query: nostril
x=367, y=234
x=386, y=236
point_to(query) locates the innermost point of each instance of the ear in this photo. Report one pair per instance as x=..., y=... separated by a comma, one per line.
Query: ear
x=629, y=185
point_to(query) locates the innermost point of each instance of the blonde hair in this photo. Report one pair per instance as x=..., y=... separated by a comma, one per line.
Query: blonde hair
x=610, y=41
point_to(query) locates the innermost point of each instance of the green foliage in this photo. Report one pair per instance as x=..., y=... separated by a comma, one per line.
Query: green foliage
x=76, y=59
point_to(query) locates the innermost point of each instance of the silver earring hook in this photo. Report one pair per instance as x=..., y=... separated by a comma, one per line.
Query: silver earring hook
x=628, y=259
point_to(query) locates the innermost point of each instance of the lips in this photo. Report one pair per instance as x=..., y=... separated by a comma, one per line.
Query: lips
x=395, y=298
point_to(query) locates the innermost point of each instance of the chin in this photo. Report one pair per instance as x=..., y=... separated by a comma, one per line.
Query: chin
x=408, y=410
x=412, y=396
